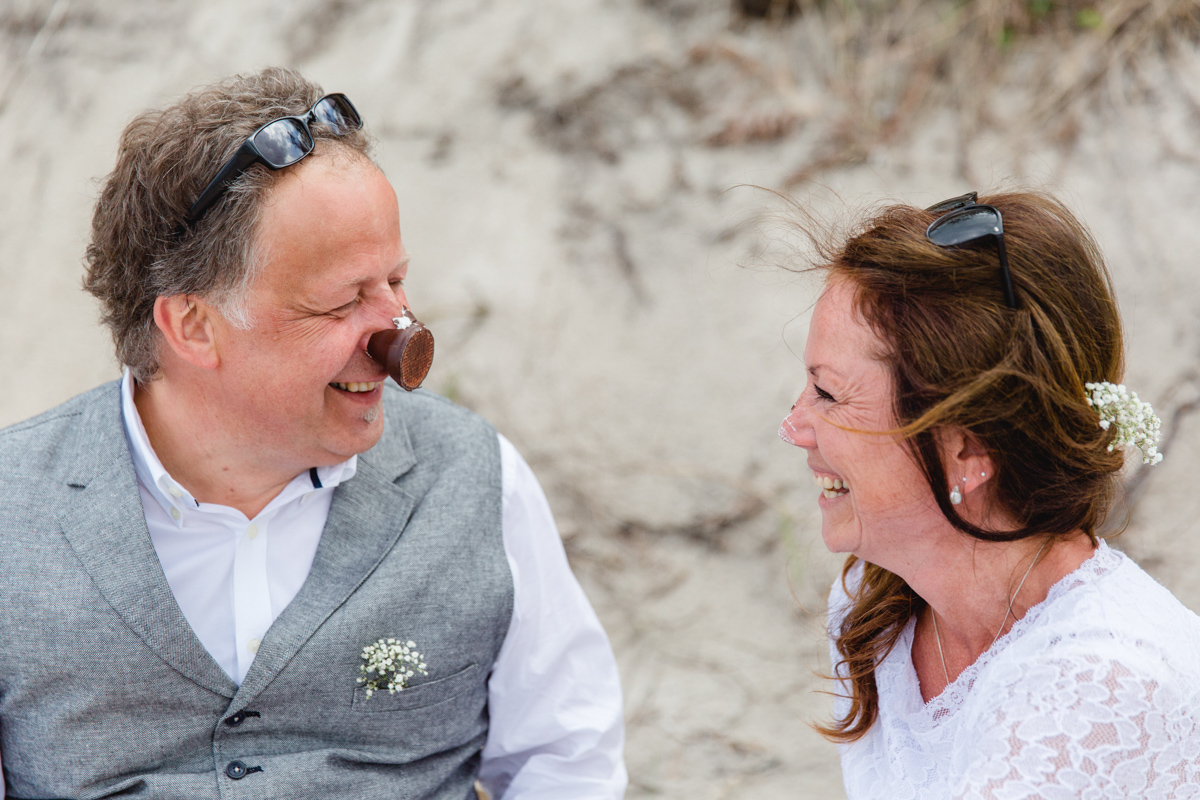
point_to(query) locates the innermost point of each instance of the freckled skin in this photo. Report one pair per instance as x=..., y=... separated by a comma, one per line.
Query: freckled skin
x=889, y=502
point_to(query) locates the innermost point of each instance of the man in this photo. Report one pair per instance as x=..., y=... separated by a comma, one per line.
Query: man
x=251, y=568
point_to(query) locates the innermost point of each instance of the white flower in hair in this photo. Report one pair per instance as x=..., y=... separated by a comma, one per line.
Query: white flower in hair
x=1136, y=422
x=389, y=664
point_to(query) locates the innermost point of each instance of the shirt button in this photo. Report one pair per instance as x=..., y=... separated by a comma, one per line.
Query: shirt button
x=252, y=531
x=236, y=770
x=175, y=513
x=252, y=645
x=174, y=490
x=234, y=720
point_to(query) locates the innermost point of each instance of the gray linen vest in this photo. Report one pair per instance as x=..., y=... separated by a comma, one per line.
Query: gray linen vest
x=106, y=692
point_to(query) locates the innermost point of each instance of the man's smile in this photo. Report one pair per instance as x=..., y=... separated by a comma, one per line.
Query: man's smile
x=356, y=387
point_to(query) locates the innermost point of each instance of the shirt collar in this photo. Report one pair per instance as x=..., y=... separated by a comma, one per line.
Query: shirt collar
x=168, y=492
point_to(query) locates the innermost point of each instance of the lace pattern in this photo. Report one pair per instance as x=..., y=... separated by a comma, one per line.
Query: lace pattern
x=1094, y=693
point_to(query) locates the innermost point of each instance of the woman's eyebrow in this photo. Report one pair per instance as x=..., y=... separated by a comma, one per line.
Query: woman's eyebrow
x=812, y=370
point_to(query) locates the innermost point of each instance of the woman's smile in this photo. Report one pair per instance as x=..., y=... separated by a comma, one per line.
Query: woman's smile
x=831, y=487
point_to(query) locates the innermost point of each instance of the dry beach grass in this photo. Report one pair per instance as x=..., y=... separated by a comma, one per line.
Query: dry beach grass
x=602, y=293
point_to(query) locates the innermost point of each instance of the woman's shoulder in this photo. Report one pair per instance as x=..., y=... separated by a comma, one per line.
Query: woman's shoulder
x=1112, y=612
x=1101, y=680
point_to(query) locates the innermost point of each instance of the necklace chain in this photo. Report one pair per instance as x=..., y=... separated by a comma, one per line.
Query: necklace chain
x=1007, y=614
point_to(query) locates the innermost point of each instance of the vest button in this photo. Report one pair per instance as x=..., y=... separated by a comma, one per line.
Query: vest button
x=236, y=770
x=235, y=719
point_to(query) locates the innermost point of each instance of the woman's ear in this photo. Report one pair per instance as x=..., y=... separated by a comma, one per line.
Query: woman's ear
x=186, y=324
x=968, y=464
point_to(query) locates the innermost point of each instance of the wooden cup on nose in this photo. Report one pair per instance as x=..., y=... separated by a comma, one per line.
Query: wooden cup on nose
x=405, y=351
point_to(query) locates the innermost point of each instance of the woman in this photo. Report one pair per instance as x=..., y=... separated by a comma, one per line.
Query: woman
x=987, y=644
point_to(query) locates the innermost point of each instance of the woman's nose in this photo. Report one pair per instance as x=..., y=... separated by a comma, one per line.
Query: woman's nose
x=796, y=429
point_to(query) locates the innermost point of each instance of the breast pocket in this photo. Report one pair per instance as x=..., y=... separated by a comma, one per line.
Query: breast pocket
x=423, y=695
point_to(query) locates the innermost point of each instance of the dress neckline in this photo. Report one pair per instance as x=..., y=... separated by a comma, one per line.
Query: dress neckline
x=899, y=665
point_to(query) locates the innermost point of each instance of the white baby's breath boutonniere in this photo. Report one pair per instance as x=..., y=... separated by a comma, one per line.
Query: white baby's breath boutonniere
x=388, y=664
x=1136, y=422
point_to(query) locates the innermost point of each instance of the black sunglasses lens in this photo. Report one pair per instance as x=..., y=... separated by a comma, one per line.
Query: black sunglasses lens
x=336, y=112
x=965, y=226
x=283, y=142
x=953, y=203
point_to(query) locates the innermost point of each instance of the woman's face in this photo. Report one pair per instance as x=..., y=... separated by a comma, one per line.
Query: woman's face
x=883, y=500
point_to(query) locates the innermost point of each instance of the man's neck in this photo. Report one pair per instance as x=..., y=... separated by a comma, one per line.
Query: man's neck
x=199, y=453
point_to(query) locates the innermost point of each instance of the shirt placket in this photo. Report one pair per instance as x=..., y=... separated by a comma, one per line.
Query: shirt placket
x=251, y=595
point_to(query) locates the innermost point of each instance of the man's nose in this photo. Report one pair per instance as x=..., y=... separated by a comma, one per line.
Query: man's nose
x=392, y=306
x=796, y=428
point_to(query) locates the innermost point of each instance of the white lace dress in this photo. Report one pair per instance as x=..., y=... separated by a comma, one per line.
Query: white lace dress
x=1094, y=693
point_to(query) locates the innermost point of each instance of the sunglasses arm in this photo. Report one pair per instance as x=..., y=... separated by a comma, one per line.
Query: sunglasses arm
x=242, y=160
x=1010, y=296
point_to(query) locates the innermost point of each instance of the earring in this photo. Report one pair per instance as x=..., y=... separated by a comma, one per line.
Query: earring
x=955, y=494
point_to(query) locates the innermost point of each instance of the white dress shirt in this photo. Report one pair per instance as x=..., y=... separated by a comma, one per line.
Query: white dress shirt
x=554, y=698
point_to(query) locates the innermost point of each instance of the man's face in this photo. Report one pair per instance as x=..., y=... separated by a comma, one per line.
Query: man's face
x=329, y=237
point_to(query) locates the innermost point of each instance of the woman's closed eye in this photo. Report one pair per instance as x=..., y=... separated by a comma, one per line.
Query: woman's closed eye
x=822, y=394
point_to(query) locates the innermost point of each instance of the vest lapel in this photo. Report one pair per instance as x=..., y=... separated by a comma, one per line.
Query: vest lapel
x=367, y=516
x=102, y=518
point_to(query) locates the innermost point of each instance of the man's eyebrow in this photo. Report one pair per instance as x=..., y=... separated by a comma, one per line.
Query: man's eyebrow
x=359, y=280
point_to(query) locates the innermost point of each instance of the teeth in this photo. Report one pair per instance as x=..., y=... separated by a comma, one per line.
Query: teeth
x=831, y=486
x=356, y=386
x=830, y=494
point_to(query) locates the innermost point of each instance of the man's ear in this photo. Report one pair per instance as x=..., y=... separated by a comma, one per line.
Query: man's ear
x=967, y=461
x=186, y=324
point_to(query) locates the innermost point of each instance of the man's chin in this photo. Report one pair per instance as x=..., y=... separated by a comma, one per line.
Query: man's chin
x=357, y=435
x=370, y=435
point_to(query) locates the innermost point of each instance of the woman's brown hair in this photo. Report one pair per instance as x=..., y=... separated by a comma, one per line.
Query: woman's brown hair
x=1013, y=379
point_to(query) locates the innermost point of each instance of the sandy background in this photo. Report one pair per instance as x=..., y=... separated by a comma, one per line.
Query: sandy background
x=603, y=293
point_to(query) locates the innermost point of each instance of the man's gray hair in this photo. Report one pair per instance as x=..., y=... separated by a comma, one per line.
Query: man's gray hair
x=165, y=158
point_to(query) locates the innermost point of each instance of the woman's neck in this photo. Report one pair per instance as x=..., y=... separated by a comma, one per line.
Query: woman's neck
x=971, y=585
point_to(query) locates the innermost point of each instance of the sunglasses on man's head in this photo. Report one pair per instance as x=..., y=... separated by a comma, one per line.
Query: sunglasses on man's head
x=963, y=222
x=280, y=143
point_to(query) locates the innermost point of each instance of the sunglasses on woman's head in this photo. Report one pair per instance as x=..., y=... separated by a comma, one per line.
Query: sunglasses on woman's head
x=964, y=222
x=280, y=143
x=954, y=203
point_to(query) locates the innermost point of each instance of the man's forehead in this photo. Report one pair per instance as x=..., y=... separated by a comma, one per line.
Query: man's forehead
x=333, y=223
